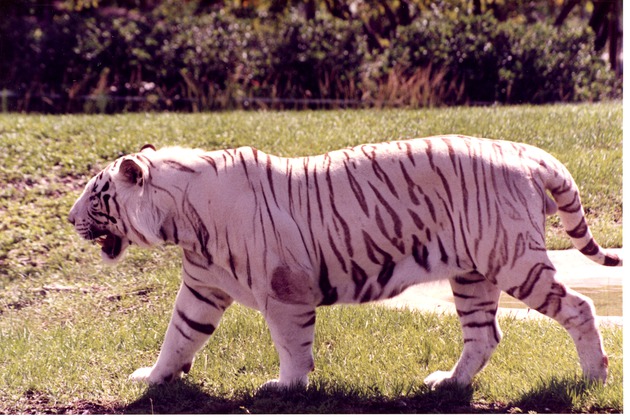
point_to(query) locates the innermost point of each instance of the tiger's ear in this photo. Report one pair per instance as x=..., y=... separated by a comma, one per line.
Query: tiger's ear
x=147, y=147
x=131, y=172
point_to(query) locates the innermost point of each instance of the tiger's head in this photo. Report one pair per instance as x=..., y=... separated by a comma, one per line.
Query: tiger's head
x=112, y=210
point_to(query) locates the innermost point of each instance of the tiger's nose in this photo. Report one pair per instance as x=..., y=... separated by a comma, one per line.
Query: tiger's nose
x=71, y=215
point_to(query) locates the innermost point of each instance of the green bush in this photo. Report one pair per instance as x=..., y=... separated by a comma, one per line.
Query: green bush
x=319, y=59
x=171, y=58
x=506, y=62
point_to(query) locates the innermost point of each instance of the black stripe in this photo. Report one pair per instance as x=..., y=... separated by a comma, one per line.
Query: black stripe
x=342, y=221
x=329, y=292
x=380, y=174
x=463, y=296
x=485, y=325
x=105, y=216
x=591, y=248
x=248, y=269
x=317, y=192
x=446, y=186
x=206, y=329
x=178, y=166
x=244, y=162
x=186, y=336
x=337, y=253
x=192, y=262
x=466, y=313
x=574, y=206
x=175, y=236
x=359, y=277
x=579, y=231
x=203, y=236
x=429, y=154
x=466, y=281
x=553, y=301
x=367, y=296
x=392, y=213
x=443, y=255
x=387, y=271
x=466, y=248
x=561, y=189
x=310, y=322
x=479, y=324
x=270, y=179
x=199, y=295
x=527, y=287
x=430, y=207
x=145, y=160
x=106, y=198
x=611, y=260
x=420, y=254
x=356, y=189
x=410, y=153
x=451, y=153
x=211, y=162
x=230, y=256
x=416, y=219
x=410, y=185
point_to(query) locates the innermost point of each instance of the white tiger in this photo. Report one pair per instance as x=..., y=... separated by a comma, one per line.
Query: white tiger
x=286, y=235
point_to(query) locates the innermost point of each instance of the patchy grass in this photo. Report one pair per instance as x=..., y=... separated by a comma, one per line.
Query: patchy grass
x=81, y=362
x=72, y=330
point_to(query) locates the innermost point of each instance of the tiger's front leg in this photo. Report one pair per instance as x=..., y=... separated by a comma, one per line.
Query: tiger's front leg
x=196, y=315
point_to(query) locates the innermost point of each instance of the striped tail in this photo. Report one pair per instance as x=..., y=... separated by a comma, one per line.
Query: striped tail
x=565, y=192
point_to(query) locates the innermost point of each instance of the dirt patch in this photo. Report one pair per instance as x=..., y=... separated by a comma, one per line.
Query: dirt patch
x=35, y=402
x=51, y=186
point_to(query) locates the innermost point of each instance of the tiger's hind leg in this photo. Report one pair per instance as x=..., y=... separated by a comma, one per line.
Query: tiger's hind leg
x=541, y=291
x=292, y=328
x=476, y=301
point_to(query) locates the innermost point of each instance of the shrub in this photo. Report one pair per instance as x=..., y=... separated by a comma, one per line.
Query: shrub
x=544, y=64
x=504, y=61
x=171, y=58
x=315, y=59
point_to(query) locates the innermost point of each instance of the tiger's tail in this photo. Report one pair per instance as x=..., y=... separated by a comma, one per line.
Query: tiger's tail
x=569, y=206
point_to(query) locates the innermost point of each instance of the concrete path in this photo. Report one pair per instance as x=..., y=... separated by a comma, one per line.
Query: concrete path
x=573, y=270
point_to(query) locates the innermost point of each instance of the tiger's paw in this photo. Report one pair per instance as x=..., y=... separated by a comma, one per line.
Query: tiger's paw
x=151, y=376
x=141, y=375
x=442, y=378
x=597, y=372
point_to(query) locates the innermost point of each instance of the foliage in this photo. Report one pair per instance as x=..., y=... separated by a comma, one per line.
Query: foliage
x=172, y=57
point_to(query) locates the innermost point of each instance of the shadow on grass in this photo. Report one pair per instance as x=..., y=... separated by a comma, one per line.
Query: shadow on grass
x=184, y=397
x=564, y=395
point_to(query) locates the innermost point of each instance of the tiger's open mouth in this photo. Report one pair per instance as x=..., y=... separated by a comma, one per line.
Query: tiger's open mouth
x=111, y=245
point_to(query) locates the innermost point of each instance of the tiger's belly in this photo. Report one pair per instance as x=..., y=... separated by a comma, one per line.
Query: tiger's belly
x=379, y=283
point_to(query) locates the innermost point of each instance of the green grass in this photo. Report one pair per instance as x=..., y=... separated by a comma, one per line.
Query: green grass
x=72, y=330
x=80, y=360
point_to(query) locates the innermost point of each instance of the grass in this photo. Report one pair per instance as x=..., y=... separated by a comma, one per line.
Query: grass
x=71, y=329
